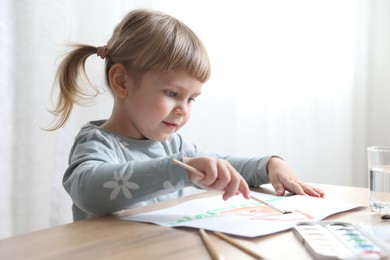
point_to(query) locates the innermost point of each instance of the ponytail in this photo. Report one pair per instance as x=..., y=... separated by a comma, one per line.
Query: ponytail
x=144, y=40
x=67, y=77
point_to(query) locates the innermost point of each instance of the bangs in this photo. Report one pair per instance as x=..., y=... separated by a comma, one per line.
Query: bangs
x=188, y=54
x=174, y=48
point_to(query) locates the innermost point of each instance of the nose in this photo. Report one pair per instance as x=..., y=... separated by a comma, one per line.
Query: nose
x=182, y=109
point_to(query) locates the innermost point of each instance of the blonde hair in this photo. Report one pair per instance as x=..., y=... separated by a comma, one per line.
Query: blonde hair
x=144, y=41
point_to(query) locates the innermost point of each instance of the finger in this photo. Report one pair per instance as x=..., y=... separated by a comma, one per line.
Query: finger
x=311, y=190
x=228, y=179
x=289, y=184
x=243, y=187
x=278, y=187
x=221, y=182
x=211, y=174
x=294, y=186
x=194, y=177
x=320, y=192
x=223, y=176
x=231, y=189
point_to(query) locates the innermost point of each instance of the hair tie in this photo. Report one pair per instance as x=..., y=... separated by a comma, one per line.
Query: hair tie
x=102, y=51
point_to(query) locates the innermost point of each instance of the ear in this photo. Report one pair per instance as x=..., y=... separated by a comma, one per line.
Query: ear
x=119, y=80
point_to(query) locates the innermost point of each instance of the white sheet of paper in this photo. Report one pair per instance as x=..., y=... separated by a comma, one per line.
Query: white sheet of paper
x=242, y=217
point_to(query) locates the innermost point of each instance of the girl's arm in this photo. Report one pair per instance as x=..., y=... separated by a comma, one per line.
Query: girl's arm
x=105, y=175
x=102, y=187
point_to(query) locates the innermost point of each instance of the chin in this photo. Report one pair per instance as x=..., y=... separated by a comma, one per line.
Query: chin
x=160, y=138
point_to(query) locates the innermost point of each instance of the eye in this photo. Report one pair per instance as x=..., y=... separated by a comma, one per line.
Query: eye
x=191, y=100
x=170, y=93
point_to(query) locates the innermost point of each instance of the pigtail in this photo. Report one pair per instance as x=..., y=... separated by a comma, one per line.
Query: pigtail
x=144, y=41
x=69, y=73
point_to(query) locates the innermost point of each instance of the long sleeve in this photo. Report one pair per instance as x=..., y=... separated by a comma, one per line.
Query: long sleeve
x=107, y=173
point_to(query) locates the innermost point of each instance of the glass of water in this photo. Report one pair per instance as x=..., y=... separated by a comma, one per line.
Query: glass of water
x=379, y=177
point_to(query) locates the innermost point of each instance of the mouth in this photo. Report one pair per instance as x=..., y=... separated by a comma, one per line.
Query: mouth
x=170, y=125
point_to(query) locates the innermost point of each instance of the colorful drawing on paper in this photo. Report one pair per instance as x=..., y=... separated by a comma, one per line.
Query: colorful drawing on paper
x=252, y=211
x=263, y=212
x=242, y=217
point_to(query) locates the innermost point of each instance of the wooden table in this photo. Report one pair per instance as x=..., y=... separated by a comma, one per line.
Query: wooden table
x=113, y=238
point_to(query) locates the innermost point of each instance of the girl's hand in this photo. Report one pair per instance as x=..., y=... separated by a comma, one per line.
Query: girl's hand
x=219, y=175
x=282, y=178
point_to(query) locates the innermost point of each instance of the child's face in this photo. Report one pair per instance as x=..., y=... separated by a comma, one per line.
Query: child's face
x=160, y=105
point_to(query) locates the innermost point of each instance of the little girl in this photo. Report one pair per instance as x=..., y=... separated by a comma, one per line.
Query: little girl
x=155, y=67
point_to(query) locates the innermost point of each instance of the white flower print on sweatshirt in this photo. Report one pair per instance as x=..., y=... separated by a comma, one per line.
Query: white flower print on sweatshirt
x=121, y=183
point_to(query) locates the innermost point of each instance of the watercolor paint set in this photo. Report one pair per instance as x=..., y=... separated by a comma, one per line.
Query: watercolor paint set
x=339, y=240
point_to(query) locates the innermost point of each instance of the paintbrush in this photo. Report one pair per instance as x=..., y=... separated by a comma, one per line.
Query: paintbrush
x=270, y=205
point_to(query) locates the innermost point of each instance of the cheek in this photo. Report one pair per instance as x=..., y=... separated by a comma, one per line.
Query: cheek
x=189, y=110
x=162, y=106
x=158, y=109
x=187, y=116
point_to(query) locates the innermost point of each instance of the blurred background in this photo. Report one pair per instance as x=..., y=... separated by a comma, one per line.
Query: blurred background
x=306, y=80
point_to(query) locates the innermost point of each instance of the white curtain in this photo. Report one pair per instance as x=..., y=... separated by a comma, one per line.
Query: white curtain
x=304, y=79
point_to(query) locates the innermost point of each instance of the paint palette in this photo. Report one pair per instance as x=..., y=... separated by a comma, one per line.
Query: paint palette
x=339, y=240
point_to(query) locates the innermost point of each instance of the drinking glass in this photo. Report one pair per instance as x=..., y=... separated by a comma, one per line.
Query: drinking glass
x=379, y=177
